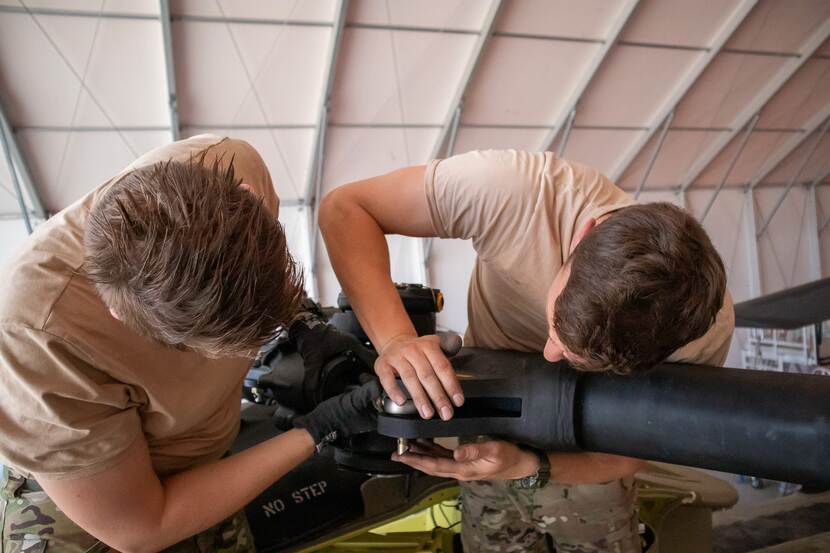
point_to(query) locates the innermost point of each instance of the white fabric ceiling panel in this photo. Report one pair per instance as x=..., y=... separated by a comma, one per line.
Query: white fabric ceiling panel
x=759, y=147
x=436, y=14
x=359, y=153
x=818, y=164
x=679, y=151
x=125, y=62
x=525, y=81
x=651, y=196
x=292, y=10
x=490, y=138
x=678, y=22
x=398, y=77
x=286, y=63
x=451, y=264
x=586, y=19
x=780, y=26
x=724, y=89
x=599, y=148
x=630, y=85
x=783, y=250
x=805, y=94
x=91, y=159
x=286, y=152
x=142, y=7
x=725, y=227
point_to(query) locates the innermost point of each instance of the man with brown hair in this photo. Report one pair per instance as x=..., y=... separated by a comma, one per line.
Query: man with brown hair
x=127, y=324
x=566, y=264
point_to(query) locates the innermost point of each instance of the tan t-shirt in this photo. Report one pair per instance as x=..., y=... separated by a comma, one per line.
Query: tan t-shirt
x=522, y=210
x=77, y=386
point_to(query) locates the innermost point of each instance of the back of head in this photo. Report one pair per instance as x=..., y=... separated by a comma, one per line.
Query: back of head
x=643, y=283
x=184, y=255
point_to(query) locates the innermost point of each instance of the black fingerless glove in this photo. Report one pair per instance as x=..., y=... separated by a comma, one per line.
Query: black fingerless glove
x=352, y=412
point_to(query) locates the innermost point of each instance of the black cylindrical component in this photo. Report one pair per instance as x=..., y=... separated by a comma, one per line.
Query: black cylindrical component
x=768, y=424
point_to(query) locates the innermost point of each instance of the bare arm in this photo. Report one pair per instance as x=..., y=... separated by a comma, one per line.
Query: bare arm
x=129, y=508
x=353, y=220
x=591, y=468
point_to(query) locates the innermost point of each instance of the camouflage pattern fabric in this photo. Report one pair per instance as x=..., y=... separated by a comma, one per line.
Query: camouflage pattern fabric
x=497, y=518
x=30, y=522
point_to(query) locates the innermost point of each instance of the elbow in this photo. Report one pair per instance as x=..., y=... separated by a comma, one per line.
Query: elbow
x=333, y=209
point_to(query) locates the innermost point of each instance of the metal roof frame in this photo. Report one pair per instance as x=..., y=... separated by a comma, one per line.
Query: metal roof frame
x=588, y=75
x=446, y=137
x=19, y=168
x=759, y=101
x=721, y=37
x=314, y=184
x=169, y=68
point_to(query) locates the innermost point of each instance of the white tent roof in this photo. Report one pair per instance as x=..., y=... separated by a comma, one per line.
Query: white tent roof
x=659, y=94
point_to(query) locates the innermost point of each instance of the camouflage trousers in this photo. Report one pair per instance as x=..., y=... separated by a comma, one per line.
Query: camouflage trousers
x=496, y=518
x=30, y=522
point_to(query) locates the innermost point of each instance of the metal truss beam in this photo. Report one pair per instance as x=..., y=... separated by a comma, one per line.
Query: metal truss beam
x=795, y=177
x=566, y=133
x=408, y=28
x=772, y=86
x=19, y=168
x=248, y=21
x=446, y=137
x=75, y=13
x=754, y=267
x=711, y=202
x=817, y=182
x=169, y=68
x=654, y=155
x=588, y=75
x=314, y=184
x=790, y=146
x=18, y=192
x=457, y=102
x=721, y=36
x=811, y=224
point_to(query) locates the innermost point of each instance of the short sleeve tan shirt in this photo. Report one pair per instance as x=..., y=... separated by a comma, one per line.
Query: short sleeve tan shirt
x=522, y=210
x=78, y=387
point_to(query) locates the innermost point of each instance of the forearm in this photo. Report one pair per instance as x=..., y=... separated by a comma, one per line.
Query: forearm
x=359, y=254
x=199, y=498
x=591, y=468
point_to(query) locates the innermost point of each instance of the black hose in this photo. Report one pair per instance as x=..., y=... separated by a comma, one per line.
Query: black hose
x=760, y=423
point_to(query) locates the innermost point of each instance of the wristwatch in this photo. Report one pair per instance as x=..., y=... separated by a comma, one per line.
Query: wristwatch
x=542, y=476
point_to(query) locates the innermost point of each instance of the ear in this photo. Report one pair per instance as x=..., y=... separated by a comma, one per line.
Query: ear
x=583, y=232
x=114, y=314
x=246, y=186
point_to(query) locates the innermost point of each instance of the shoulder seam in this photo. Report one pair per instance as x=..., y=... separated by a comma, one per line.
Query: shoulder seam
x=8, y=324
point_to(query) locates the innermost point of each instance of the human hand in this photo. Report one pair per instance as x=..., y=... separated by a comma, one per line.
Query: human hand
x=318, y=343
x=352, y=412
x=494, y=460
x=422, y=365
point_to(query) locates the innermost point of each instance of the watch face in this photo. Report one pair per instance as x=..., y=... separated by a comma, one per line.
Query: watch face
x=527, y=482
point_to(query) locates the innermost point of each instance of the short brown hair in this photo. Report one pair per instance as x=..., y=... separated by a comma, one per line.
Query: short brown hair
x=643, y=283
x=185, y=256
